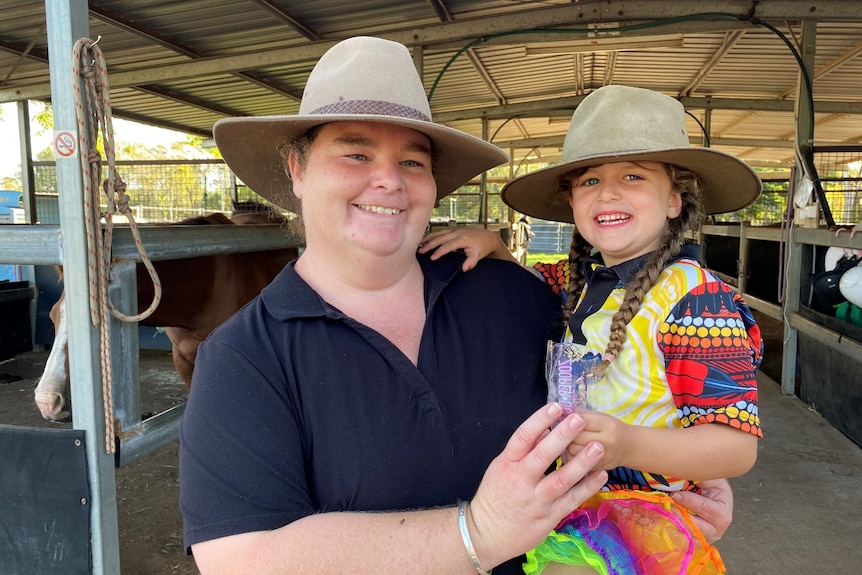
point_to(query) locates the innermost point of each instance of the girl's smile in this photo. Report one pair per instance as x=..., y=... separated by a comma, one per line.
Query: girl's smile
x=622, y=208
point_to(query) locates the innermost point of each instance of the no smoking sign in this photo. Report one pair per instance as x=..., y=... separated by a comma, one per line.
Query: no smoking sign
x=65, y=144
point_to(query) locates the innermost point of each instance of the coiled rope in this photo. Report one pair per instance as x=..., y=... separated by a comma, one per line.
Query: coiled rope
x=93, y=113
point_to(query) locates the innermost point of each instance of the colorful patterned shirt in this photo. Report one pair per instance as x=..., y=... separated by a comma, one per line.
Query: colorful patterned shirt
x=690, y=356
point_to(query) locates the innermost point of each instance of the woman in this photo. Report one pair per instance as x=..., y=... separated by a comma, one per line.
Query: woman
x=337, y=421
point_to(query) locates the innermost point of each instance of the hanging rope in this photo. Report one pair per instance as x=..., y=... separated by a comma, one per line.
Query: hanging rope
x=93, y=111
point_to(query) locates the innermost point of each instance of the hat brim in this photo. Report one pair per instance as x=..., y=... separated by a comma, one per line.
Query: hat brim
x=730, y=183
x=251, y=148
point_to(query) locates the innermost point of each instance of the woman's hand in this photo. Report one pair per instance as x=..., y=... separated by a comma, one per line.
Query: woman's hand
x=712, y=508
x=517, y=503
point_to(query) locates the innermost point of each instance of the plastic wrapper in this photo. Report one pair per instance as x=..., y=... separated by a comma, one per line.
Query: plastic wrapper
x=570, y=371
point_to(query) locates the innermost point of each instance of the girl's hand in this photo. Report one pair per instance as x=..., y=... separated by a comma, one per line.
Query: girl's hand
x=613, y=434
x=477, y=243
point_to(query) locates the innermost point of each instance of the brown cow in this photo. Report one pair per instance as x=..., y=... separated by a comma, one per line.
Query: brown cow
x=198, y=294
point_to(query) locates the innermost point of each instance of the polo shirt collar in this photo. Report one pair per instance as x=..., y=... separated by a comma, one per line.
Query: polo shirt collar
x=602, y=281
x=627, y=270
x=290, y=297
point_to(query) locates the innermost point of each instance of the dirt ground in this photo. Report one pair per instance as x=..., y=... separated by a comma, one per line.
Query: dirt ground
x=148, y=490
x=151, y=534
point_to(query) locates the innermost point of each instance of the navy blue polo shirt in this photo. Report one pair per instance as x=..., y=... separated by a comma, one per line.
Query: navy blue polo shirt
x=296, y=408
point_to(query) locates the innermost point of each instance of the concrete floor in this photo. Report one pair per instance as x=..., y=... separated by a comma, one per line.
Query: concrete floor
x=799, y=510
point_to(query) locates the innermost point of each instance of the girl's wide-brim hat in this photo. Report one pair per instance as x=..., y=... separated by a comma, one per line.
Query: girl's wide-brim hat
x=626, y=124
x=359, y=79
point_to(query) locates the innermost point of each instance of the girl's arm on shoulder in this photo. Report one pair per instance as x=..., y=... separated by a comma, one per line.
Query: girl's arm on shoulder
x=477, y=244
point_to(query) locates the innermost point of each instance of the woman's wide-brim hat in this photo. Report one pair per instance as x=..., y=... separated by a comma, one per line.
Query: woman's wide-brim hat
x=627, y=124
x=359, y=79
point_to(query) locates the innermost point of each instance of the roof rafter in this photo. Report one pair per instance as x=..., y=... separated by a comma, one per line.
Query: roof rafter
x=730, y=40
x=113, y=19
x=22, y=55
x=831, y=66
x=444, y=15
x=288, y=19
x=463, y=31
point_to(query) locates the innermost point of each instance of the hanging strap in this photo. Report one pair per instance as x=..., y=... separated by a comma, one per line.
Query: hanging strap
x=93, y=114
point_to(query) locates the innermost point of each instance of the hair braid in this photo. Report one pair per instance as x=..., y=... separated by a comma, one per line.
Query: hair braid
x=579, y=251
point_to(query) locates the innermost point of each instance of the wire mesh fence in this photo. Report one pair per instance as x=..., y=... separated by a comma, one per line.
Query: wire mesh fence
x=839, y=172
x=467, y=205
x=838, y=169
x=768, y=209
x=159, y=190
x=172, y=190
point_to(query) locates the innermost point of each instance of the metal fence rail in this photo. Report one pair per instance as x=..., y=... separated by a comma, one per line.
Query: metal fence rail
x=159, y=190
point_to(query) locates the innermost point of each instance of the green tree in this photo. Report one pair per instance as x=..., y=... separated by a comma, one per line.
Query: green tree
x=156, y=191
x=10, y=182
x=43, y=116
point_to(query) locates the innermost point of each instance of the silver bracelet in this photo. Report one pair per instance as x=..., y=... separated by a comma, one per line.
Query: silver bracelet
x=465, y=537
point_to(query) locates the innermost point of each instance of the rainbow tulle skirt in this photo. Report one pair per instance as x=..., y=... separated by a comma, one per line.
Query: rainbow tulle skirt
x=628, y=533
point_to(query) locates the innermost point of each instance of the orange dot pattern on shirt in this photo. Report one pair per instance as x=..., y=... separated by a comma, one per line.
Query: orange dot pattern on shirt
x=712, y=349
x=742, y=415
x=555, y=275
x=731, y=333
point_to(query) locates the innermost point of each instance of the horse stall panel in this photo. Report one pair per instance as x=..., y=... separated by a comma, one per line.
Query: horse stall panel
x=764, y=270
x=721, y=254
x=49, y=287
x=829, y=380
x=14, y=318
x=44, y=502
x=48, y=290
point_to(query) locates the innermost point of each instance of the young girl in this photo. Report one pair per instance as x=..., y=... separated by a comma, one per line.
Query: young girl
x=676, y=402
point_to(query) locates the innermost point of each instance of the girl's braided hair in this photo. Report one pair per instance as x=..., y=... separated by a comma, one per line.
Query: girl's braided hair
x=689, y=185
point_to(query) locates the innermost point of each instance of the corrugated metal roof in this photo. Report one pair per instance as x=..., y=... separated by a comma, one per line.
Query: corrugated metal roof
x=184, y=65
